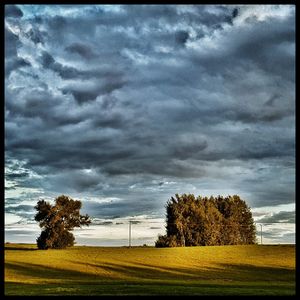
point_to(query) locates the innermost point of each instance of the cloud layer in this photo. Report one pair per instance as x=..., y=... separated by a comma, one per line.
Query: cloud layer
x=136, y=103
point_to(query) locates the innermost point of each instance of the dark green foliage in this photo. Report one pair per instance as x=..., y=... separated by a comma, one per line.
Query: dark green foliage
x=162, y=241
x=42, y=240
x=57, y=220
x=206, y=221
x=166, y=241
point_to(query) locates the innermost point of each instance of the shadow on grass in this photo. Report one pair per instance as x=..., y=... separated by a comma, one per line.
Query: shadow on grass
x=20, y=248
x=225, y=272
x=109, y=271
x=143, y=279
x=46, y=272
x=240, y=272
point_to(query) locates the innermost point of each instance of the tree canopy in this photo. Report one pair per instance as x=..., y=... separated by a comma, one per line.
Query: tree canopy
x=205, y=221
x=57, y=221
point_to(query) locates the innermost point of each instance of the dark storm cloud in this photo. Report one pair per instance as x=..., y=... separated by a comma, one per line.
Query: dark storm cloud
x=181, y=37
x=36, y=35
x=254, y=45
x=90, y=93
x=101, y=98
x=114, y=120
x=121, y=208
x=14, y=64
x=64, y=71
x=13, y=11
x=81, y=49
x=23, y=211
x=11, y=43
x=19, y=208
x=17, y=175
x=13, y=61
x=105, y=81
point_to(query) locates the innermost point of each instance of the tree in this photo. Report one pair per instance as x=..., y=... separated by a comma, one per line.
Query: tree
x=205, y=221
x=57, y=221
x=237, y=222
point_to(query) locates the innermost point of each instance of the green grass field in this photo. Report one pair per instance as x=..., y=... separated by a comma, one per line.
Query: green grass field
x=210, y=270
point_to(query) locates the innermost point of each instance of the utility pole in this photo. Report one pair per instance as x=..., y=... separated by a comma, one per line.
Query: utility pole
x=129, y=233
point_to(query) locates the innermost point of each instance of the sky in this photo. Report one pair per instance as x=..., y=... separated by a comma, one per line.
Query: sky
x=123, y=106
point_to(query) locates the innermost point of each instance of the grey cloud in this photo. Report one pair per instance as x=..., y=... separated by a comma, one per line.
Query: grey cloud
x=85, y=94
x=274, y=98
x=278, y=235
x=17, y=232
x=281, y=217
x=288, y=238
x=75, y=180
x=189, y=149
x=262, y=115
x=11, y=200
x=264, y=195
x=13, y=11
x=256, y=45
x=96, y=222
x=105, y=81
x=181, y=37
x=64, y=71
x=235, y=13
x=26, y=208
x=57, y=23
x=24, y=211
x=136, y=222
x=13, y=64
x=17, y=175
x=160, y=167
x=11, y=41
x=36, y=36
x=112, y=120
x=132, y=206
x=125, y=94
x=10, y=188
x=35, y=105
x=81, y=49
x=135, y=148
x=47, y=60
x=171, y=14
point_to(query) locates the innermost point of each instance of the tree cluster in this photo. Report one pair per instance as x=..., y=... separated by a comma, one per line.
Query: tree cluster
x=57, y=221
x=204, y=221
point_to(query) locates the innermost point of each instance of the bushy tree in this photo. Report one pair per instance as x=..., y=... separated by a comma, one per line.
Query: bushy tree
x=207, y=221
x=237, y=221
x=57, y=221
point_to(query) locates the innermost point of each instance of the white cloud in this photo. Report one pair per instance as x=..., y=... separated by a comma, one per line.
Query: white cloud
x=11, y=219
x=263, y=12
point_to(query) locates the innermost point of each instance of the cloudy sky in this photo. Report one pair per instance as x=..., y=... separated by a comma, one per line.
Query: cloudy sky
x=124, y=106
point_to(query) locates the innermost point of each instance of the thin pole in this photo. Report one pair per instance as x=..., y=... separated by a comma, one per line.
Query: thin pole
x=129, y=233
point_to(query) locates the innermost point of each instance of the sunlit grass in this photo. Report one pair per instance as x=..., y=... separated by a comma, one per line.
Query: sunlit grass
x=252, y=269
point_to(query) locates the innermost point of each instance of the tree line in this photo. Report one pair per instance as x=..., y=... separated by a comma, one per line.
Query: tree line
x=190, y=221
x=204, y=221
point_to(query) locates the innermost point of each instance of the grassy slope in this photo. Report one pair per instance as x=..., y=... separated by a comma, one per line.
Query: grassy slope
x=214, y=270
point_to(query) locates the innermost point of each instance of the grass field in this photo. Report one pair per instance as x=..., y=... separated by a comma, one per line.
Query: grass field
x=210, y=270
